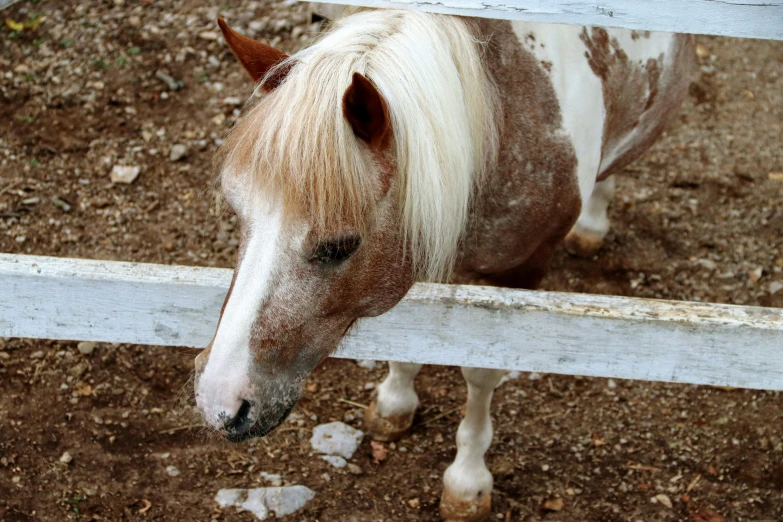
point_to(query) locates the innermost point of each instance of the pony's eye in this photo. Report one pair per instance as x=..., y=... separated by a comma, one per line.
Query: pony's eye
x=335, y=251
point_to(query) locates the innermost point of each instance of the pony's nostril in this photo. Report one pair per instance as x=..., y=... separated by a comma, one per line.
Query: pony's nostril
x=241, y=422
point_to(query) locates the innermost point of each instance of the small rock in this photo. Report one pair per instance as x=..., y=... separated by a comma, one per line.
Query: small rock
x=86, y=347
x=755, y=274
x=370, y=365
x=334, y=460
x=775, y=287
x=272, y=478
x=4, y=355
x=66, y=458
x=414, y=503
x=354, y=469
x=208, y=35
x=37, y=355
x=172, y=83
x=61, y=204
x=709, y=264
x=172, y=471
x=663, y=499
x=256, y=26
x=336, y=438
x=31, y=201
x=178, y=152
x=125, y=173
x=554, y=504
x=232, y=100
x=260, y=501
x=369, y=386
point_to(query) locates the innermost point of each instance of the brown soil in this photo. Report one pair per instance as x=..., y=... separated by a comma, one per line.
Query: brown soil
x=698, y=218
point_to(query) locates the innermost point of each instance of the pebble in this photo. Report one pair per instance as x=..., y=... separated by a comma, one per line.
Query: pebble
x=272, y=478
x=66, y=458
x=172, y=471
x=4, y=355
x=37, y=355
x=86, y=347
x=171, y=82
x=354, y=469
x=756, y=274
x=178, y=152
x=208, y=35
x=334, y=460
x=281, y=501
x=709, y=264
x=775, y=287
x=663, y=499
x=125, y=173
x=336, y=438
x=370, y=365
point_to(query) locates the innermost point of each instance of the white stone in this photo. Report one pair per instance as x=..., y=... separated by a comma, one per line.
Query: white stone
x=86, y=347
x=336, y=438
x=775, y=287
x=334, y=460
x=281, y=501
x=172, y=471
x=66, y=458
x=208, y=35
x=125, y=173
x=178, y=152
x=272, y=478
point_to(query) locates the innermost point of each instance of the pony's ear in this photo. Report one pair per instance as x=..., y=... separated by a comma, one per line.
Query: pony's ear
x=367, y=112
x=257, y=58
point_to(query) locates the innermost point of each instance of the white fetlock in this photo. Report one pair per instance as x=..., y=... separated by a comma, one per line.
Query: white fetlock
x=466, y=500
x=390, y=416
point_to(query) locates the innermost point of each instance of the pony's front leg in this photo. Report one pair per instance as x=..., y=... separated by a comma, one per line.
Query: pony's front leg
x=467, y=483
x=390, y=415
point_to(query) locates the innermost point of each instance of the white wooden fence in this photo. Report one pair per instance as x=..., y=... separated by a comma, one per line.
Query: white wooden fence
x=744, y=18
x=620, y=337
x=44, y=297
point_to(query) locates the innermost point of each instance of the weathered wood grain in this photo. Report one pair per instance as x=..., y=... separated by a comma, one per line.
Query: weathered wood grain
x=618, y=337
x=743, y=18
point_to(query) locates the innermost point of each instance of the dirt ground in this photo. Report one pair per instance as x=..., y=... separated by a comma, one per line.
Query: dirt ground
x=99, y=84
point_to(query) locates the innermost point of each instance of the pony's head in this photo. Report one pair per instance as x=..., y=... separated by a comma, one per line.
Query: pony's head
x=319, y=173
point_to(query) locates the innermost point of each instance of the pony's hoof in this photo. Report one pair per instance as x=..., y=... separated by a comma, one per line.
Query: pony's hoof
x=581, y=243
x=455, y=509
x=387, y=429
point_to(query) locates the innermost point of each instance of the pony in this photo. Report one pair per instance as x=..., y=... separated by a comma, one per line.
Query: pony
x=404, y=146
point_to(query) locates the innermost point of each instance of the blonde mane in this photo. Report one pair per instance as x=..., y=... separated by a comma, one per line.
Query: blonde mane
x=443, y=111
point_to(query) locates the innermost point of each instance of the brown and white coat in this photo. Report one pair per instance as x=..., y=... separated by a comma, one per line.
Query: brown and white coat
x=407, y=146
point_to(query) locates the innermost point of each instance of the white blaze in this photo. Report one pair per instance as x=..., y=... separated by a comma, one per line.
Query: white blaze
x=225, y=380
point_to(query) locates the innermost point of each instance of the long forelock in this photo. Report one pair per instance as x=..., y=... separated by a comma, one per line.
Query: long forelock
x=297, y=142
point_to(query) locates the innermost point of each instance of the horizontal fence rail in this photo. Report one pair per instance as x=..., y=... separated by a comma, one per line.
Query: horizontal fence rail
x=620, y=337
x=743, y=18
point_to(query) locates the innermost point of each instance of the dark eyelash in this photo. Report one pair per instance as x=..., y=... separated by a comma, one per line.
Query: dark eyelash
x=336, y=251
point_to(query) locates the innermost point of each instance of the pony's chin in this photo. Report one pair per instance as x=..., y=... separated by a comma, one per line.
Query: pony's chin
x=260, y=427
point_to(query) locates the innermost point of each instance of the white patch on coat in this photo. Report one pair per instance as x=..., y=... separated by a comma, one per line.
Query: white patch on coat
x=579, y=92
x=225, y=381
